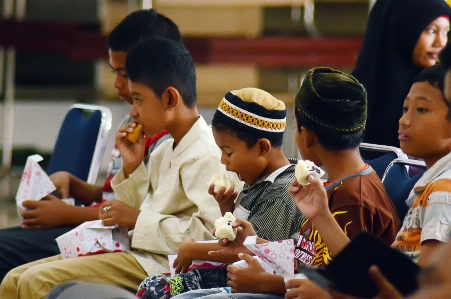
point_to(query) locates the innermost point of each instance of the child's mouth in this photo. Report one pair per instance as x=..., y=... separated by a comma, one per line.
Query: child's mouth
x=402, y=137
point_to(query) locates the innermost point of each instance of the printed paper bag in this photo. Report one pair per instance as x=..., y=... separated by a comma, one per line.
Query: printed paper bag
x=92, y=237
x=275, y=257
x=35, y=183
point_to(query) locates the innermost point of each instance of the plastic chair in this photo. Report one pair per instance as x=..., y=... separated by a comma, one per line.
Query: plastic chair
x=380, y=156
x=81, y=142
x=398, y=183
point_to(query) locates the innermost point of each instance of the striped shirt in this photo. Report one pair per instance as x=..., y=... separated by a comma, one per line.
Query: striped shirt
x=269, y=207
x=429, y=215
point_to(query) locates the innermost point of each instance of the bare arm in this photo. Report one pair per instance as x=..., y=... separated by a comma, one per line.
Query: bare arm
x=191, y=250
x=52, y=212
x=68, y=185
x=428, y=247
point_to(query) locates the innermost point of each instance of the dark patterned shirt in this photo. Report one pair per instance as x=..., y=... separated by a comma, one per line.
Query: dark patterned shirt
x=269, y=207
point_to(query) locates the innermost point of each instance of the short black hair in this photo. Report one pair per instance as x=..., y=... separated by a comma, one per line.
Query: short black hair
x=139, y=25
x=162, y=63
x=249, y=139
x=330, y=139
x=435, y=76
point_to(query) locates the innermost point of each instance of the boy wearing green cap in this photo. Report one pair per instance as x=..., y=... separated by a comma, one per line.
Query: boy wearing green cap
x=330, y=119
x=248, y=127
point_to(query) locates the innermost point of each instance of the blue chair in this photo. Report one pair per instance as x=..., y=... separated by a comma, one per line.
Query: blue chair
x=384, y=155
x=81, y=142
x=398, y=183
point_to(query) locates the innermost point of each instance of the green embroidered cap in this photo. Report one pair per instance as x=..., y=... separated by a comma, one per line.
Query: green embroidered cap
x=333, y=99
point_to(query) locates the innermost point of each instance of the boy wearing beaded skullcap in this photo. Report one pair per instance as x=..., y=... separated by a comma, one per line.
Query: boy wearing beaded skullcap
x=330, y=114
x=248, y=127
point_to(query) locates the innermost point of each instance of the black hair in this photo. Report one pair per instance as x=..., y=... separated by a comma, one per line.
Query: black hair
x=139, y=25
x=330, y=139
x=249, y=139
x=445, y=57
x=435, y=76
x=162, y=63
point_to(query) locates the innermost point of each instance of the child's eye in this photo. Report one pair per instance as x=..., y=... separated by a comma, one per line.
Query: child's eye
x=137, y=100
x=121, y=73
x=421, y=110
x=404, y=110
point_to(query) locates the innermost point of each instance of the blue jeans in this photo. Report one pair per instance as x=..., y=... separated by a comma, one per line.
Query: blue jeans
x=222, y=293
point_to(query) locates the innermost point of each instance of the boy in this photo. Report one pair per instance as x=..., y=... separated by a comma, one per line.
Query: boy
x=162, y=206
x=49, y=218
x=251, y=146
x=330, y=118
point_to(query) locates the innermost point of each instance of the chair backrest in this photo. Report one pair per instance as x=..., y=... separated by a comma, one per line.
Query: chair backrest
x=380, y=156
x=81, y=142
x=398, y=183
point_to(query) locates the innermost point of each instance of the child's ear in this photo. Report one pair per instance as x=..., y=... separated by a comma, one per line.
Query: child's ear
x=264, y=146
x=309, y=137
x=171, y=98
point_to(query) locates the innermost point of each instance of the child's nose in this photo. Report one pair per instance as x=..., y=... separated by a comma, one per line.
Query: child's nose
x=404, y=120
x=118, y=82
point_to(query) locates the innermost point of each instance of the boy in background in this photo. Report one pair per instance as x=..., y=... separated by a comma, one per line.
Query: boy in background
x=248, y=127
x=162, y=206
x=50, y=218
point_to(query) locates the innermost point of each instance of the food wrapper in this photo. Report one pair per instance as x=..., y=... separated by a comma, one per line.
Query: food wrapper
x=275, y=257
x=35, y=183
x=92, y=237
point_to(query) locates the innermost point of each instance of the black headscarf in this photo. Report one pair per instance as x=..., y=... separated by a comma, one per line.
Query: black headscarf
x=384, y=65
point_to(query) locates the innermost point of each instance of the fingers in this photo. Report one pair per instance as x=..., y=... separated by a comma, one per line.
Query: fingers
x=247, y=258
x=31, y=204
x=383, y=285
x=211, y=189
x=109, y=221
x=242, y=223
x=223, y=242
x=217, y=252
x=293, y=283
x=30, y=227
x=178, y=268
x=29, y=213
x=104, y=210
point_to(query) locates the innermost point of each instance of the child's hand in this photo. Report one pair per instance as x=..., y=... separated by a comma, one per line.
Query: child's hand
x=118, y=213
x=226, y=200
x=61, y=180
x=132, y=153
x=183, y=262
x=311, y=199
x=45, y=213
x=304, y=288
x=244, y=229
x=246, y=280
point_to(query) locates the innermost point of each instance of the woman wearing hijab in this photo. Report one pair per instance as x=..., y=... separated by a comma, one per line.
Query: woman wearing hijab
x=402, y=38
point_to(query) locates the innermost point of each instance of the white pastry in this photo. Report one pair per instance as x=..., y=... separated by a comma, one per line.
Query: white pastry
x=304, y=168
x=223, y=227
x=220, y=180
